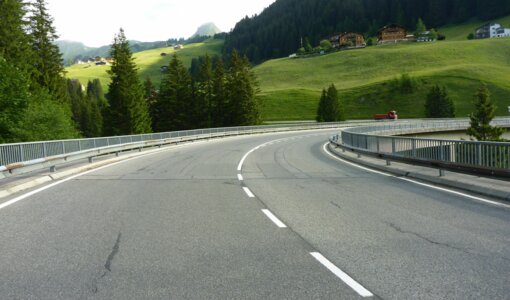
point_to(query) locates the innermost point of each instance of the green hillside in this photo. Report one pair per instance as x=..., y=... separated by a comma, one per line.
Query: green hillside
x=460, y=32
x=367, y=79
x=148, y=62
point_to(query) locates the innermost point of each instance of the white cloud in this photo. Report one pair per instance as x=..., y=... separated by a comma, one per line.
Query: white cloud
x=94, y=22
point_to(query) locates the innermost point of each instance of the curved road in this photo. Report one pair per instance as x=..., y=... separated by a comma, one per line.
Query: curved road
x=293, y=223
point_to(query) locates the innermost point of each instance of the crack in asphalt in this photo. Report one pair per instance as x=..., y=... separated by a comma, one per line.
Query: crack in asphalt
x=108, y=264
x=428, y=239
x=114, y=252
x=335, y=204
x=466, y=251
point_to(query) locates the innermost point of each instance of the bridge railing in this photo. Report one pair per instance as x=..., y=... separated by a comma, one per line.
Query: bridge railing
x=489, y=158
x=22, y=158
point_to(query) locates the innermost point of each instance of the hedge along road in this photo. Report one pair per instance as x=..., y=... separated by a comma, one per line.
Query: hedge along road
x=180, y=224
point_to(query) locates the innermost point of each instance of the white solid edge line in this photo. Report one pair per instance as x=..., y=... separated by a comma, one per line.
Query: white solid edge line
x=24, y=196
x=241, y=162
x=273, y=218
x=240, y=177
x=353, y=164
x=248, y=192
x=417, y=182
x=363, y=292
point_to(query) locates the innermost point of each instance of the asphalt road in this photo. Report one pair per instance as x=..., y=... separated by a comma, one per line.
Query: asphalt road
x=180, y=224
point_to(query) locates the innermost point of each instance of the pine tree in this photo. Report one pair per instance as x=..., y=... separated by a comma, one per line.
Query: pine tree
x=98, y=105
x=480, y=119
x=174, y=104
x=47, y=59
x=321, y=113
x=127, y=112
x=75, y=93
x=151, y=97
x=333, y=111
x=204, y=94
x=14, y=42
x=219, y=101
x=242, y=88
x=439, y=104
x=95, y=91
x=420, y=27
x=13, y=101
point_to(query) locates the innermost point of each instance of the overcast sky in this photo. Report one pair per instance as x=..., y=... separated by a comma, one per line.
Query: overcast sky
x=94, y=22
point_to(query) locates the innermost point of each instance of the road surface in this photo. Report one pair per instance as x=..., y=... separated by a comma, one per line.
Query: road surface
x=291, y=223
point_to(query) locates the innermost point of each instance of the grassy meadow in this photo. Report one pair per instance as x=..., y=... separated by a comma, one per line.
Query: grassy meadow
x=368, y=79
x=148, y=62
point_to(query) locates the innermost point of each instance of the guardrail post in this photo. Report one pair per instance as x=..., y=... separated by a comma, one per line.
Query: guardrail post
x=53, y=169
x=441, y=157
x=479, y=154
x=63, y=147
x=393, y=145
x=44, y=150
x=21, y=152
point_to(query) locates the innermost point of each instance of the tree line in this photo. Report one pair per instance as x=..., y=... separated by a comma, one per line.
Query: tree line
x=438, y=104
x=218, y=96
x=278, y=30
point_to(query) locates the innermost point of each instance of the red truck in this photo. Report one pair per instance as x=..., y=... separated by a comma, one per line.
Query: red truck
x=391, y=115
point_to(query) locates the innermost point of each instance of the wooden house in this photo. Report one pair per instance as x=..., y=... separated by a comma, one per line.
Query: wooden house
x=348, y=40
x=351, y=39
x=391, y=34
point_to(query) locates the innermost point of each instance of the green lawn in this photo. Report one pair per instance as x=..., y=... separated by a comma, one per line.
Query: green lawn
x=148, y=62
x=366, y=78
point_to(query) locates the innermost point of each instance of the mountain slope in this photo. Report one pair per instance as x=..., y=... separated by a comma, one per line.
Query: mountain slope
x=278, y=30
x=368, y=79
x=71, y=50
x=148, y=62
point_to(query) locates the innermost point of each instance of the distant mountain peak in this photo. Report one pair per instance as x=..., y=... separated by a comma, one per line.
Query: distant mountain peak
x=207, y=29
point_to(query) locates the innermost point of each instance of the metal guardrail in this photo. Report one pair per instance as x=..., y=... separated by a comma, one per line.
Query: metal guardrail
x=486, y=158
x=27, y=157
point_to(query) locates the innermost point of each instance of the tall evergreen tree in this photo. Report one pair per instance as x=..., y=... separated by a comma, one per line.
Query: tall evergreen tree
x=78, y=104
x=151, y=96
x=204, y=95
x=47, y=59
x=174, y=105
x=439, y=104
x=242, y=88
x=219, y=101
x=480, y=119
x=98, y=105
x=127, y=112
x=14, y=42
x=13, y=101
x=95, y=91
x=333, y=111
